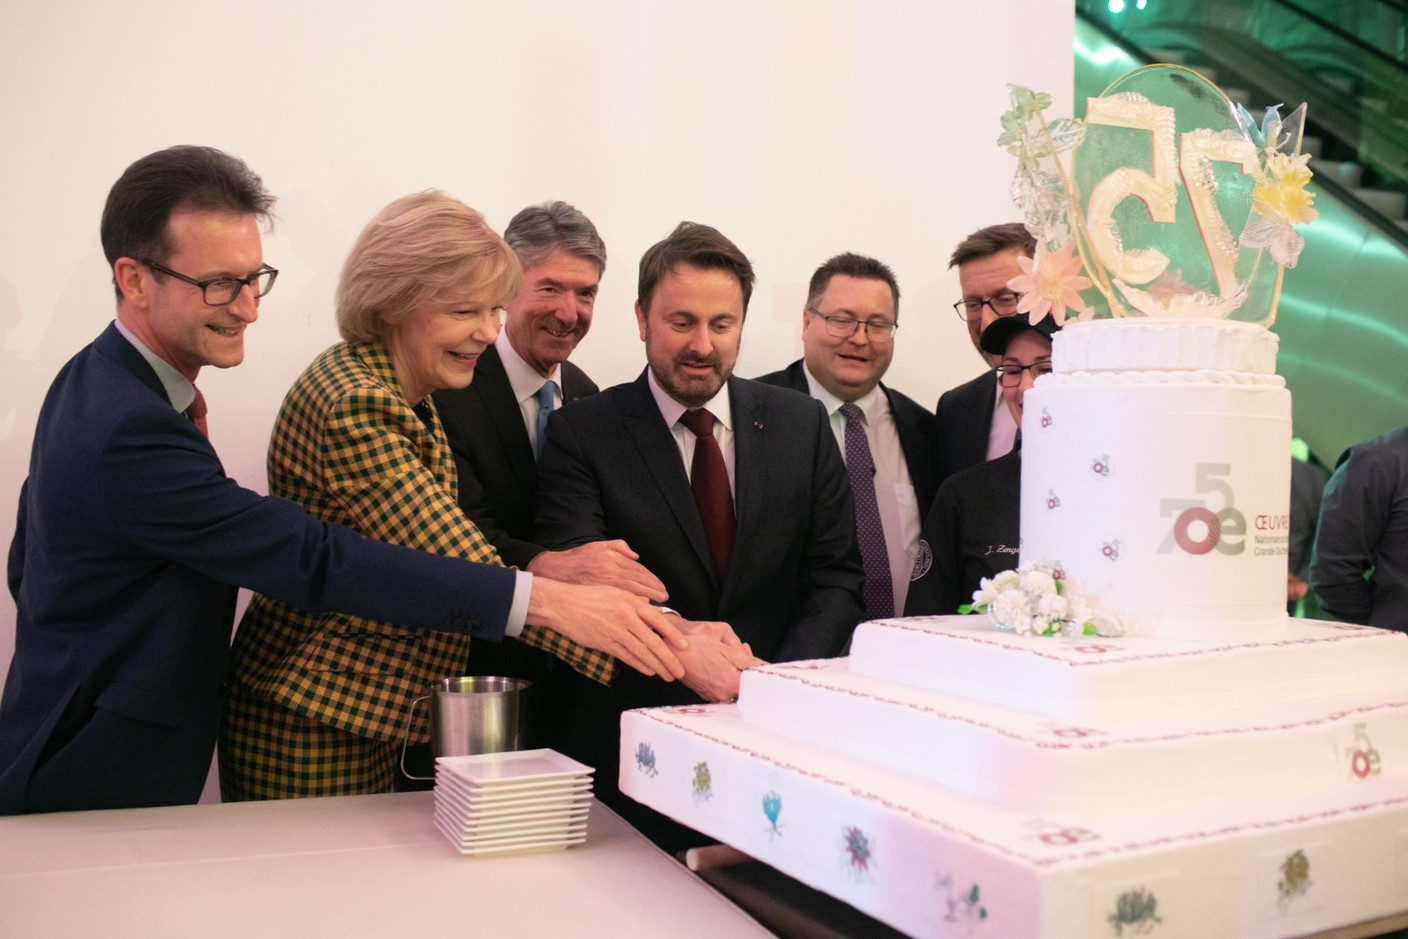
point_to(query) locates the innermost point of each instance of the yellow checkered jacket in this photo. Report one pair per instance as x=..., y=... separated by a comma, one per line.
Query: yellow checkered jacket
x=348, y=447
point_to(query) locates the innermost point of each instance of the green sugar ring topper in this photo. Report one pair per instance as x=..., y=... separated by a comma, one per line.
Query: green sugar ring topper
x=1167, y=200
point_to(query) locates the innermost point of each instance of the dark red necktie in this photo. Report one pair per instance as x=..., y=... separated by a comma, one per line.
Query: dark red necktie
x=708, y=477
x=196, y=412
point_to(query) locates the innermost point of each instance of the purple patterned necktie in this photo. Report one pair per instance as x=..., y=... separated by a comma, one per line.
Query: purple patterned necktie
x=708, y=477
x=860, y=466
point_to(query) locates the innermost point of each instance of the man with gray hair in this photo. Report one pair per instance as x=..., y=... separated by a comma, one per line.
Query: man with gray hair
x=495, y=425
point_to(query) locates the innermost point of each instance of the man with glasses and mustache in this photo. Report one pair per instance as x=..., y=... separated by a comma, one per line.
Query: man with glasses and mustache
x=973, y=422
x=732, y=492
x=131, y=541
x=849, y=325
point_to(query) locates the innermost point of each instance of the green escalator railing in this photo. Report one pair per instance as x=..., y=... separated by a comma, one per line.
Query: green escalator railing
x=1343, y=315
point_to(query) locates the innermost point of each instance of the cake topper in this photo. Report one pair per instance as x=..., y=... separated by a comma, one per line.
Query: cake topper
x=1168, y=200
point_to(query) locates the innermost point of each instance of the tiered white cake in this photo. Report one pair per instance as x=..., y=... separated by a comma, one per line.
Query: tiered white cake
x=1156, y=469
x=1189, y=779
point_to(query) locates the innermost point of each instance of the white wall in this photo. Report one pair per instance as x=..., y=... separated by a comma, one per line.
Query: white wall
x=799, y=129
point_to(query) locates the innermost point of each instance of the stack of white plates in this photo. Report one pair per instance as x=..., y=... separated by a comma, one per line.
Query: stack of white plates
x=500, y=803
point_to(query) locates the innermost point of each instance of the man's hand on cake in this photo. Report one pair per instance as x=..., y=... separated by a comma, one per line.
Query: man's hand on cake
x=605, y=563
x=713, y=665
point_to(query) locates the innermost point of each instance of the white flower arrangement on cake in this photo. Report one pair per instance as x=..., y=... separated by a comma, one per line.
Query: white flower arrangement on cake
x=1037, y=600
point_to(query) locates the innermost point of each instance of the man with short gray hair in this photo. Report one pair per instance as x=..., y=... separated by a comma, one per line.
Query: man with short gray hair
x=495, y=425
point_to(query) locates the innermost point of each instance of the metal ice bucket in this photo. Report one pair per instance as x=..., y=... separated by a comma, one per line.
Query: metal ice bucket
x=470, y=716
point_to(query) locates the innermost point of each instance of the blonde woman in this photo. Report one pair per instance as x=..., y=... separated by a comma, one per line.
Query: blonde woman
x=316, y=702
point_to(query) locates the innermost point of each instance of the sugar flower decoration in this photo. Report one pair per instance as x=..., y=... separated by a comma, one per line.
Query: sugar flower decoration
x=1280, y=199
x=1037, y=600
x=1050, y=283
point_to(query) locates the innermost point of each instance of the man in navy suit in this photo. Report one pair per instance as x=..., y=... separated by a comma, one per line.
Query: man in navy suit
x=733, y=493
x=848, y=340
x=974, y=424
x=131, y=540
x=493, y=424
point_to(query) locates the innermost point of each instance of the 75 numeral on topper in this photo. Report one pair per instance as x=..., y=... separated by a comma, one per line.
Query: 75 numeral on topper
x=1159, y=190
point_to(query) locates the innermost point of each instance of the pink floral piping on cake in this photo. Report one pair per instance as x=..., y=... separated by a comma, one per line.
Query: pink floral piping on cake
x=926, y=626
x=1042, y=861
x=1040, y=742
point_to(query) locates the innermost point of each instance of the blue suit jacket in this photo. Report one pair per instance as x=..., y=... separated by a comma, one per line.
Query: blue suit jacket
x=129, y=545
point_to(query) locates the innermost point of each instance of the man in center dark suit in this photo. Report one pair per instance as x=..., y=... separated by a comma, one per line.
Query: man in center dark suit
x=494, y=425
x=733, y=492
x=848, y=341
x=973, y=422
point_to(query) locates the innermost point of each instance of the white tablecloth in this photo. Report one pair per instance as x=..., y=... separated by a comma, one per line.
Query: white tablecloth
x=344, y=867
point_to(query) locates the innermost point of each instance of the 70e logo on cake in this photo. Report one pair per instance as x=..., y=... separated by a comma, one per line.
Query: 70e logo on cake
x=1196, y=528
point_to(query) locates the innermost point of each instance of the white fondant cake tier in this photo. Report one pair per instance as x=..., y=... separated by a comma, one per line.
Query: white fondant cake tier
x=934, y=862
x=1030, y=763
x=1168, y=501
x=1097, y=679
x=1140, y=343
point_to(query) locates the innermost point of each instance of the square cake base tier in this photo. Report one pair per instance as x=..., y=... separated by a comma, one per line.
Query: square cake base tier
x=1094, y=678
x=1030, y=763
x=932, y=861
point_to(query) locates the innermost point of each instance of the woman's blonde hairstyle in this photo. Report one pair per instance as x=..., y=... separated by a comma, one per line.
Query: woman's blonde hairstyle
x=414, y=249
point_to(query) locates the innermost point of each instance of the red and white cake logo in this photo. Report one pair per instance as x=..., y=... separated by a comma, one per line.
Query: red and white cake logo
x=1364, y=760
x=1110, y=550
x=1100, y=466
x=1045, y=418
x=1052, y=501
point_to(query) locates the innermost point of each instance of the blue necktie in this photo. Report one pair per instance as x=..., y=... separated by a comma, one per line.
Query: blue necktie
x=544, y=409
x=860, y=466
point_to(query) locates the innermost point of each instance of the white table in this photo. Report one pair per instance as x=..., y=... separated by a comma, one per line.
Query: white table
x=345, y=867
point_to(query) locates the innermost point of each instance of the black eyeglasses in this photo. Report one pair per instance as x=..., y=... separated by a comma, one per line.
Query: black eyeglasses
x=1011, y=375
x=218, y=291
x=844, y=327
x=1003, y=303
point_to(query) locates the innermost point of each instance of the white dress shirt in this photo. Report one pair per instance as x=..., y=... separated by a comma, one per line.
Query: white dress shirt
x=718, y=405
x=179, y=390
x=894, y=490
x=525, y=382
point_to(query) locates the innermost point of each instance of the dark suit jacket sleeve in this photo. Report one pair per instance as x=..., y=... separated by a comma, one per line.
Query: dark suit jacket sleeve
x=166, y=494
x=1358, y=507
x=570, y=510
x=474, y=502
x=829, y=604
x=963, y=422
x=16, y=559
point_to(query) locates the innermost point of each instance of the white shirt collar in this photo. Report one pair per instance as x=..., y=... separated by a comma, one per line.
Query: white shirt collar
x=872, y=404
x=522, y=377
x=670, y=409
x=179, y=390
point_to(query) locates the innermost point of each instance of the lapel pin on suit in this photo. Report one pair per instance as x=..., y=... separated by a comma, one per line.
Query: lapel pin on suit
x=758, y=425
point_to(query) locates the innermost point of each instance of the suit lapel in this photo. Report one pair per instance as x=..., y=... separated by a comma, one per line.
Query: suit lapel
x=913, y=444
x=492, y=385
x=751, y=452
x=661, y=458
